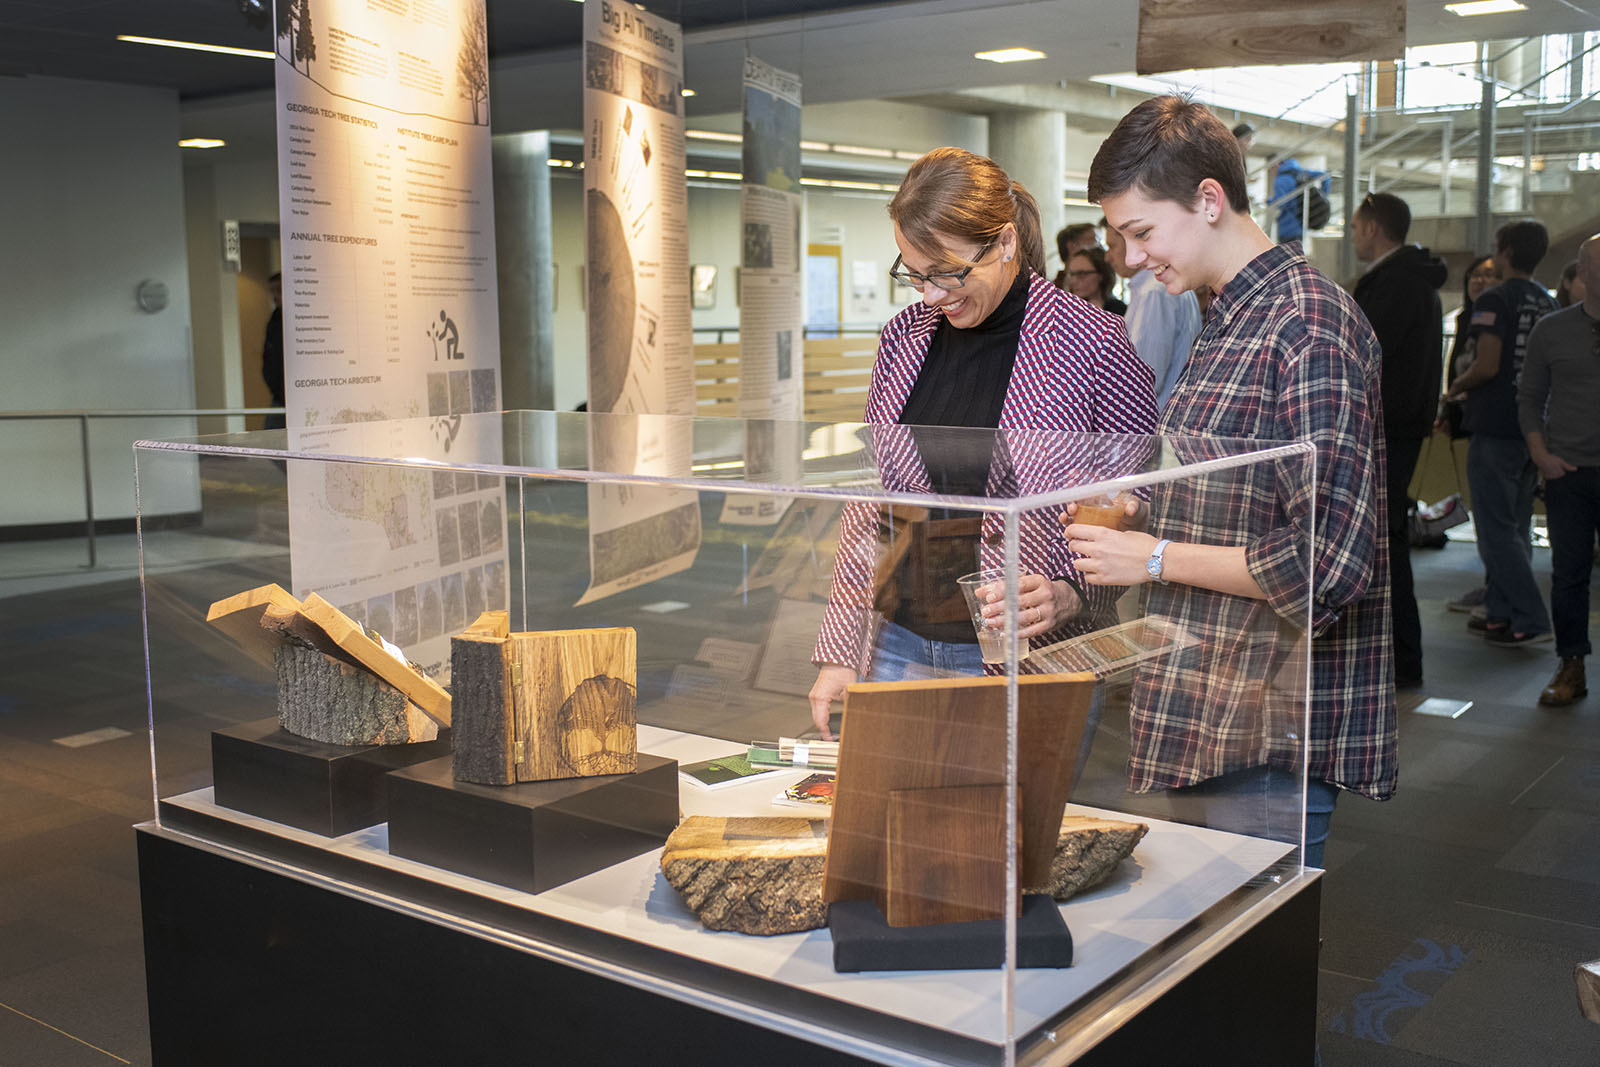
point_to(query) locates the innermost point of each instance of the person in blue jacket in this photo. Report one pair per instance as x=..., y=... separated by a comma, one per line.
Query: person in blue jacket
x=1290, y=176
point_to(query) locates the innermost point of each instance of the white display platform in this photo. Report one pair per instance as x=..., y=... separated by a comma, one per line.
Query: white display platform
x=1176, y=873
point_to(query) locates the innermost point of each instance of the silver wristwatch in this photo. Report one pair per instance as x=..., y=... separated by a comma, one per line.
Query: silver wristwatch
x=1153, y=565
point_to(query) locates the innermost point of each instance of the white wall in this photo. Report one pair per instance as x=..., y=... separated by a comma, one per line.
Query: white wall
x=219, y=184
x=94, y=205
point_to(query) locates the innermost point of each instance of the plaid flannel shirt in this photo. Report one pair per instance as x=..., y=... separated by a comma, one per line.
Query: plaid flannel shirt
x=1075, y=371
x=1284, y=355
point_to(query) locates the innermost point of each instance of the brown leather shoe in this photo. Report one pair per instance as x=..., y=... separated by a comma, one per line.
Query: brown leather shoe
x=1567, y=686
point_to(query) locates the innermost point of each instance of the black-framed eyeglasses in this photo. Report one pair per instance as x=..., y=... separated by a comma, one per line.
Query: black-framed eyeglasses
x=945, y=280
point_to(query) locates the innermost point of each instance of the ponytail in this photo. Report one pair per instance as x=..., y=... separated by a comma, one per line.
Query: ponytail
x=1030, y=236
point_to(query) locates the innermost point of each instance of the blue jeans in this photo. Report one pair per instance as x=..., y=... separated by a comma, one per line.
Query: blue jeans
x=1573, y=504
x=898, y=655
x=1262, y=802
x=1502, y=477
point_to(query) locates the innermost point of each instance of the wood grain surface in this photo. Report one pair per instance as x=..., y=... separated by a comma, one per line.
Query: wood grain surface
x=1197, y=34
x=951, y=732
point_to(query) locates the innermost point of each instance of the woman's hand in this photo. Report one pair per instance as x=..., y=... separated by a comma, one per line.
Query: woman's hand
x=1042, y=605
x=832, y=681
x=1135, y=512
x=1109, y=557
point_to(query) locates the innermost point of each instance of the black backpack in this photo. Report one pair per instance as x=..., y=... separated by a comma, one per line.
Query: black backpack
x=1316, y=208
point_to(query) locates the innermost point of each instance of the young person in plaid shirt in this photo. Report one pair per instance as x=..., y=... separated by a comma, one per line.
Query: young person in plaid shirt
x=1284, y=354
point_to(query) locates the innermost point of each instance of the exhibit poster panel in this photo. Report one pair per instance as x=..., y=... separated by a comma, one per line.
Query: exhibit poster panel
x=641, y=341
x=771, y=308
x=389, y=313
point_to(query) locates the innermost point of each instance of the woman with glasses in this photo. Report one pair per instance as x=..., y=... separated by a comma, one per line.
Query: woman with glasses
x=992, y=344
x=1090, y=278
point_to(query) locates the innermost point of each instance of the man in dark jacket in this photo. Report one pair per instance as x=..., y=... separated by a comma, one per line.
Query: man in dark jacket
x=1400, y=295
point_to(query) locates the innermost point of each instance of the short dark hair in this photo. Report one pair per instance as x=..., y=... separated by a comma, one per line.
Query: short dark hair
x=1527, y=240
x=1166, y=147
x=1392, y=214
x=1244, y=129
x=1068, y=235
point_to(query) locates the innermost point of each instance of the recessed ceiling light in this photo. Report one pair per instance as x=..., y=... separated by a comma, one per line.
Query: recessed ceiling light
x=1485, y=7
x=686, y=92
x=712, y=135
x=224, y=49
x=201, y=142
x=1008, y=55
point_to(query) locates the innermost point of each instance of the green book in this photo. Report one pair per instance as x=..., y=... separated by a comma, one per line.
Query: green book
x=724, y=770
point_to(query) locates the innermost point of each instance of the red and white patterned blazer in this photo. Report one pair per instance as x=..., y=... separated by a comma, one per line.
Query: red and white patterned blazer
x=1075, y=373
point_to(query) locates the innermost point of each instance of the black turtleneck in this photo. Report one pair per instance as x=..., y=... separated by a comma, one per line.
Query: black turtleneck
x=962, y=384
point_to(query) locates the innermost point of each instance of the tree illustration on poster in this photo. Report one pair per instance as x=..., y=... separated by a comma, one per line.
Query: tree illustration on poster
x=472, y=65
x=293, y=26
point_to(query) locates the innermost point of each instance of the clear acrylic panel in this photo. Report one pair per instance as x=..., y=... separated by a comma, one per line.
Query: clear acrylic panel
x=756, y=566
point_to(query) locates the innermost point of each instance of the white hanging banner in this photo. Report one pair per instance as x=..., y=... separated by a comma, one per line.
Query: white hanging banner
x=389, y=312
x=771, y=308
x=641, y=340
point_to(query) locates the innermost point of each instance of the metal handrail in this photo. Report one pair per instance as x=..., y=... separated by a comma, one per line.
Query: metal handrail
x=84, y=415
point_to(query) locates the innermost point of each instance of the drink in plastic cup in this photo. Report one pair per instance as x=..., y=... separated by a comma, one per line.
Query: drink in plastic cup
x=1108, y=511
x=991, y=640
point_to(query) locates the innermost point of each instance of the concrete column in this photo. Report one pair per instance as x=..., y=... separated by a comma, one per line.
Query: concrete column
x=1352, y=180
x=1032, y=147
x=524, y=253
x=1483, y=231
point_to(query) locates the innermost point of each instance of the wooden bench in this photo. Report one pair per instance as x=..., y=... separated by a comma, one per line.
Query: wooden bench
x=837, y=372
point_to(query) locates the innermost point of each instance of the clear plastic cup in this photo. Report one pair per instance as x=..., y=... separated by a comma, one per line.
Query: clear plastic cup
x=991, y=639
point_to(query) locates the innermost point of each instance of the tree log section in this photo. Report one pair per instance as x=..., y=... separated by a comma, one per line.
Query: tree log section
x=1087, y=851
x=328, y=700
x=754, y=876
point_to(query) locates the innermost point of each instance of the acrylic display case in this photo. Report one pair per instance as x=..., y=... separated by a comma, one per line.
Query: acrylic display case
x=738, y=556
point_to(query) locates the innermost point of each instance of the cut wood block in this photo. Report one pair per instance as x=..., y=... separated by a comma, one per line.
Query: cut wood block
x=1189, y=34
x=490, y=624
x=942, y=863
x=239, y=616
x=573, y=699
x=754, y=876
x=1087, y=852
x=1588, y=977
x=481, y=713
x=339, y=703
x=323, y=626
x=951, y=732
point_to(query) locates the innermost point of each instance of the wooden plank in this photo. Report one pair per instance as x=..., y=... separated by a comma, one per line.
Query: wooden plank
x=239, y=616
x=320, y=624
x=950, y=732
x=1184, y=34
x=574, y=703
x=941, y=863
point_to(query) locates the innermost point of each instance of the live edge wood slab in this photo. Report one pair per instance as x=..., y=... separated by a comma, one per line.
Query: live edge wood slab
x=764, y=875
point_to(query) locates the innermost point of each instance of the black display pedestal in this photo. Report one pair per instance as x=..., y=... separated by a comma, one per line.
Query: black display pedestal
x=863, y=940
x=260, y=769
x=247, y=964
x=531, y=836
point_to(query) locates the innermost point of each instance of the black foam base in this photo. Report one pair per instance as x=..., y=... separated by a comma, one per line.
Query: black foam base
x=260, y=769
x=531, y=836
x=863, y=940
